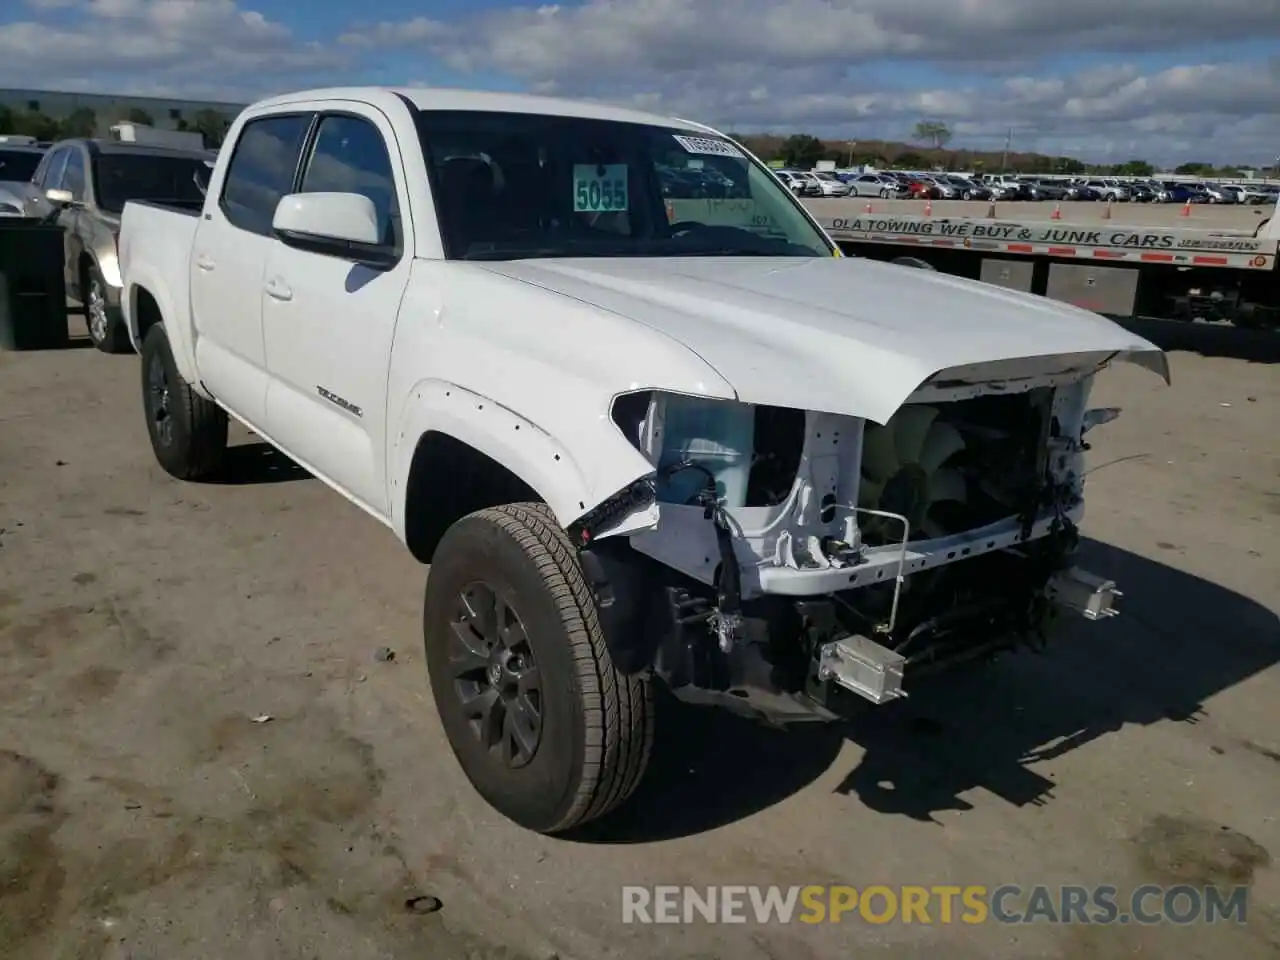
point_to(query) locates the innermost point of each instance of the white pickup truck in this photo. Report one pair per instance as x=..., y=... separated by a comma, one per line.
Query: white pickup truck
x=638, y=437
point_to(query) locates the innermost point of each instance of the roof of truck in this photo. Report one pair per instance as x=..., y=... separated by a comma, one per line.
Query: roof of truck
x=448, y=98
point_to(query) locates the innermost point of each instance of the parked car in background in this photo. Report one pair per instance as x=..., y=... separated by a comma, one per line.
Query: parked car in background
x=1159, y=193
x=876, y=185
x=1004, y=186
x=921, y=189
x=946, y=190
x=1079, y=190
x=1109, y=189
x=1177, y=192
x=810, y=186
x=965, y=188
x=1220, y=194
x=1050, y=189
x=1140, y=193
x=830, y=184
x=18, y=162
x=86, y=183
x=1198, y=192
x=1247, y=192
x=793, y=182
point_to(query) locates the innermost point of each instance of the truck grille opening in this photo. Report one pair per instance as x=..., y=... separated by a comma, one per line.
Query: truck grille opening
x=952, y=467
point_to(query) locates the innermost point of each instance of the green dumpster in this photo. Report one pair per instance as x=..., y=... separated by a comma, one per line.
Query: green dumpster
x=33, y=289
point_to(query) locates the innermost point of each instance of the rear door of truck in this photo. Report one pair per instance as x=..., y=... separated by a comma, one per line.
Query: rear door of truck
x=229, y=258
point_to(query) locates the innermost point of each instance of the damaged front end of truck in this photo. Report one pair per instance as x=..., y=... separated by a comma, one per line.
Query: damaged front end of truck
x=795, y=564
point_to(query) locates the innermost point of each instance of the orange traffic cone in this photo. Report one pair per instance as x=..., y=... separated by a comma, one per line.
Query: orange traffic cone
x=928, y=206
x=1106, y=214
x=991, y=209
x=868, y=208
x=1057, y=212
x=1186, y=209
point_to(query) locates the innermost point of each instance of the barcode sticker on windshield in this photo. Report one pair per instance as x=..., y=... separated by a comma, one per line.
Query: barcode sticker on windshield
x=599, y=188
x=709, y=146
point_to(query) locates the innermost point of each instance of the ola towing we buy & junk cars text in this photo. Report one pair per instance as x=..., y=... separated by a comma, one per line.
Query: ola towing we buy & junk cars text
x=641, y=439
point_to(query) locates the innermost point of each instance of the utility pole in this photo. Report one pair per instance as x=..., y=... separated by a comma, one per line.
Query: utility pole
x=1004, y=157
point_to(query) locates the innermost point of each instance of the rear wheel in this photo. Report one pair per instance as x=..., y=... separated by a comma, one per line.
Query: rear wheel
x=543, y=725
x=188, y=433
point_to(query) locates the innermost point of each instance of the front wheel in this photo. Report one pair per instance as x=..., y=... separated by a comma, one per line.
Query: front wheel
x=546, y=729
x=104, y=322
x=188, y=433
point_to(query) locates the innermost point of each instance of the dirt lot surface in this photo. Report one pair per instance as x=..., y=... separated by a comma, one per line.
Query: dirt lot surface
x=145, y=624
x=1235, y=217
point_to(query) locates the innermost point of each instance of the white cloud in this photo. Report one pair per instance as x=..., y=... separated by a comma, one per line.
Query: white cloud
x=150, y=46
x=823, y=64
x=1093, y=78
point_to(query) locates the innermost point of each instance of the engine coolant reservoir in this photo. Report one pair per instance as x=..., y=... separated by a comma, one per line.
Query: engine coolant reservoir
x=716, y=435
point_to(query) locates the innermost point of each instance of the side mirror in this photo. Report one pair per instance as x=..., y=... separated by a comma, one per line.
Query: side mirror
x=59, y=198
x=343, y=225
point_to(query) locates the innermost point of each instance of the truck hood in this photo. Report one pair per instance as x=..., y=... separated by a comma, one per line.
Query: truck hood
x=839, y=335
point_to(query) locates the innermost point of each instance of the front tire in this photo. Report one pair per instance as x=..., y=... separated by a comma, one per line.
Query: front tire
x=105, y=323
x=188, y=433
x=546, y=729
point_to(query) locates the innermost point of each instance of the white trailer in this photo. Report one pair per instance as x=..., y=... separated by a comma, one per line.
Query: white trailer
x=1115, y=269
x=130, y=132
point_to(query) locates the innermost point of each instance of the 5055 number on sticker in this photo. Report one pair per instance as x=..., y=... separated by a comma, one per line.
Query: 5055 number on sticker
x=599, y=188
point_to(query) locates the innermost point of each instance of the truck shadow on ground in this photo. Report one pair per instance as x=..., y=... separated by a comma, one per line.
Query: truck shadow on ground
x=257, y=462
x=1210, y=340
x=997, y=728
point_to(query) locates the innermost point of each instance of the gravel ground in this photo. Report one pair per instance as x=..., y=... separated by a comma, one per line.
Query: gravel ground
x=145, y=625
x=1235, y=217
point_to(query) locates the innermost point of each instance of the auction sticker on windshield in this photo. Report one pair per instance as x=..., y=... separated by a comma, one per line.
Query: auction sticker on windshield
x=708, y=146
x=599, y=188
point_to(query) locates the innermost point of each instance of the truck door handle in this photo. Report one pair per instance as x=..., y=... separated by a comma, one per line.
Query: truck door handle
x=277, y=289
x=204, y=263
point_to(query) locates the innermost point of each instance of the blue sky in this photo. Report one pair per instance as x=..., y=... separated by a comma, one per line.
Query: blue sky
x=1168, y=80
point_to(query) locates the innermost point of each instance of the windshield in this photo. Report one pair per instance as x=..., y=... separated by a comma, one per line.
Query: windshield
x=137, y=176
x=18, y=164
x=516, y=185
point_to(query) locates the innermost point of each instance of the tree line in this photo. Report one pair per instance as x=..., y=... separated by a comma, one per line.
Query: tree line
x=85, y=122
x=931, y=149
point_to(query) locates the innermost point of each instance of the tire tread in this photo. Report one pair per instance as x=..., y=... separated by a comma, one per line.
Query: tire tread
x=206, y=422
x=618, y=709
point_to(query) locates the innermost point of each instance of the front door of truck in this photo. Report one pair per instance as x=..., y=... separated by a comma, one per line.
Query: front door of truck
x=228, y=258
x=328, y=323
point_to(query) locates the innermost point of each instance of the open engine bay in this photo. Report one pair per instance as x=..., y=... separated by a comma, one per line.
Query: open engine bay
x=801, y=557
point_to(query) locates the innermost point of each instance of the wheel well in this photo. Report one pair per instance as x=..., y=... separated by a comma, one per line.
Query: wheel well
x=146, y=310
x=448, y=480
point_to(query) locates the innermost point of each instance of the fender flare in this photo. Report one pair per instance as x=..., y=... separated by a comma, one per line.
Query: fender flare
x=179, y=339
x=523, y=447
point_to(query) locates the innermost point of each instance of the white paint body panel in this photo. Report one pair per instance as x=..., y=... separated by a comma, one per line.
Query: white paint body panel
x=522, y=360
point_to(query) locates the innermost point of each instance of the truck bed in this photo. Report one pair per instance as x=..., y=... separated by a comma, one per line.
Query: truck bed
x=155, y=251
x=188, y=208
